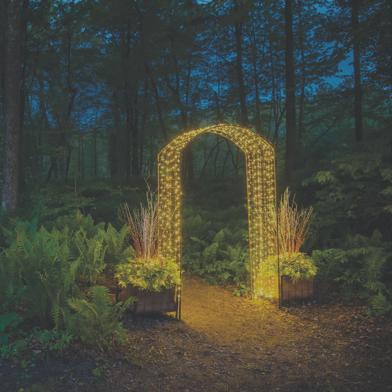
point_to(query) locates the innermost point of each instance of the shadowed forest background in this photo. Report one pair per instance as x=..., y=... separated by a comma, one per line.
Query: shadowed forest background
x=91, y=90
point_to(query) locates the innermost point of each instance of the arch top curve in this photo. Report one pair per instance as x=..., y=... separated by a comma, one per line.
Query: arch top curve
x=244, y=138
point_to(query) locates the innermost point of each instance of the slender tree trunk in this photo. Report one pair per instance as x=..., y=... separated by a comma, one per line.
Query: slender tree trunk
x=115, y=142
x=291, y=132
x=127, y=103
x=95, y=160
x=157, y=103
x=303, y=75
x=3, y=25
x=239, y=69
x=23, y=140
x=143, y=126
x=135, y=137
x=71, y=91
x=256, y=82
x=13, y=103
x=355, y=4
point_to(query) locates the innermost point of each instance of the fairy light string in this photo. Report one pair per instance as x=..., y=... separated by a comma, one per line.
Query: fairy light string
x=261, y=200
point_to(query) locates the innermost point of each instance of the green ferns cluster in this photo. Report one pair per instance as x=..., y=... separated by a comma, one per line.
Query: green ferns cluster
x=43, y=271
x=218, y=255
x=352, y=200
x=95, y=320
x=360, y=270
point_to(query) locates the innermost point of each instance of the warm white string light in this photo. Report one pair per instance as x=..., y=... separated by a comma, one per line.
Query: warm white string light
x=261, y=199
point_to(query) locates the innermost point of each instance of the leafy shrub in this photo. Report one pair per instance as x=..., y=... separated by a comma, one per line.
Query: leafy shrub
x=78, y=221
x=41, y=267
x=51, y=340
x=91, y=255
x=95, y=320
x=8, y=321
x=216, y=254
x=219, y=262
x=352, y=195
x=13, y=348
x=297, y=266
x=294, y=265
x=359, y=270
x=56, y=202
x=117, y=245
x=149, y=274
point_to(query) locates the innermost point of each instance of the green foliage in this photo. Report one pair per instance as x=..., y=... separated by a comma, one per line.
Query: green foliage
x=117, y=245
x=153, y=274
x=37, y=341
x=352, y=200
x=297, y=266
x=294, y=265
x=13, y=349
x=360, y=269
x=218, y=255
x=56, y=202
x=8, y=321
x=95, y=320
x=91, y=255
x=41, y=267
x=379, y=304
x=78, y=221
x=352, y=197
x=52, y=340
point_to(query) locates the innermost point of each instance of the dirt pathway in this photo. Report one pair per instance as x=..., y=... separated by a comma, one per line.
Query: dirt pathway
x=225, y=343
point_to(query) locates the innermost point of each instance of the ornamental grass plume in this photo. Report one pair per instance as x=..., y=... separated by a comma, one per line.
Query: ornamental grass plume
x=291, y=224
x=143, y=226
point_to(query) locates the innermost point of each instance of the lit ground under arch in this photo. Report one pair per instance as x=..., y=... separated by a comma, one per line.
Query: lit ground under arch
x=261, y=199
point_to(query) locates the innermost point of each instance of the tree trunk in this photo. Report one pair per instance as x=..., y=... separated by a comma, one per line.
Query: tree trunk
x=357, y=71
x=239, y=70
x=303, y=73
x=256, y=82
x=135, y=138
x=291, y=133
x=13, y=103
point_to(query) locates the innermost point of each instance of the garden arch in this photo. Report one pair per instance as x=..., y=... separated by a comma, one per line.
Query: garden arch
x=261, y=199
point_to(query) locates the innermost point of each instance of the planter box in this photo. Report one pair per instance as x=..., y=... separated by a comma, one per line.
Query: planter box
x=150, y=301
x=295, y=291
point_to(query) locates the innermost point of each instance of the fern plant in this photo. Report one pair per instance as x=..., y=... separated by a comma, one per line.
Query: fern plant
x=79, y=221
x=95, y=320
x=43, y=265
x=117, y=244
x=91, y=255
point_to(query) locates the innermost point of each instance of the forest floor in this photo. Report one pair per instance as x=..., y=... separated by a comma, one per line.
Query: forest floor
x=227, y=343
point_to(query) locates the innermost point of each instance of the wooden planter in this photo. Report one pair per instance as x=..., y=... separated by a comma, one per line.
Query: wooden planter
x=150, y=301
x=295, y=291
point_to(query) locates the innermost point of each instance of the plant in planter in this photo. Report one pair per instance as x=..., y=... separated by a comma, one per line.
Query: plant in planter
x=297, y=266
x=155, y=274
x=151, y=279
x=295, y=269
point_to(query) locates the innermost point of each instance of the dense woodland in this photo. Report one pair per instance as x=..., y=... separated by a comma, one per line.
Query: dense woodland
x=91, y=90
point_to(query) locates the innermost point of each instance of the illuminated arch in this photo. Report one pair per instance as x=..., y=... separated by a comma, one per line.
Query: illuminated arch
x=261, y=198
